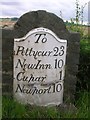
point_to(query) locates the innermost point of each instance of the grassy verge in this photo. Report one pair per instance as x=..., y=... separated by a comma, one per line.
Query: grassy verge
x=84, y=66
x=0, y=106
x=13, y=109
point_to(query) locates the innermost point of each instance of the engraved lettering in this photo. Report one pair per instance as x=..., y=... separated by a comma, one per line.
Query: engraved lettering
x=44, y=39
x=31, y=78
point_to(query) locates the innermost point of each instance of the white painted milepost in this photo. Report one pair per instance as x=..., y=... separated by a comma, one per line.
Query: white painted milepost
x=39, y=68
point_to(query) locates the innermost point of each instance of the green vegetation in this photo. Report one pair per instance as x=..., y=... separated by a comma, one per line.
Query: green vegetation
x=0, y=106
x=12, y=109
x=84, y=66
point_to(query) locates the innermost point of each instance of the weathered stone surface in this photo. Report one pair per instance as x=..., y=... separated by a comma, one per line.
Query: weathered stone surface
x=0, y=79
x=7, y=60
x=73, y=58
x=72, y=69
x=7, y=79
x=6, y=88
x=74, y=37
x=7, y=64
x=0, y=65
x=37, y=19
x=74, y=47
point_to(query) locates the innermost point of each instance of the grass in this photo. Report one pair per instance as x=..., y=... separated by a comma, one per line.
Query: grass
x=85, y=46
x=13, y=109
x=82, y=105
x=84, y=66
x=0, y=106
